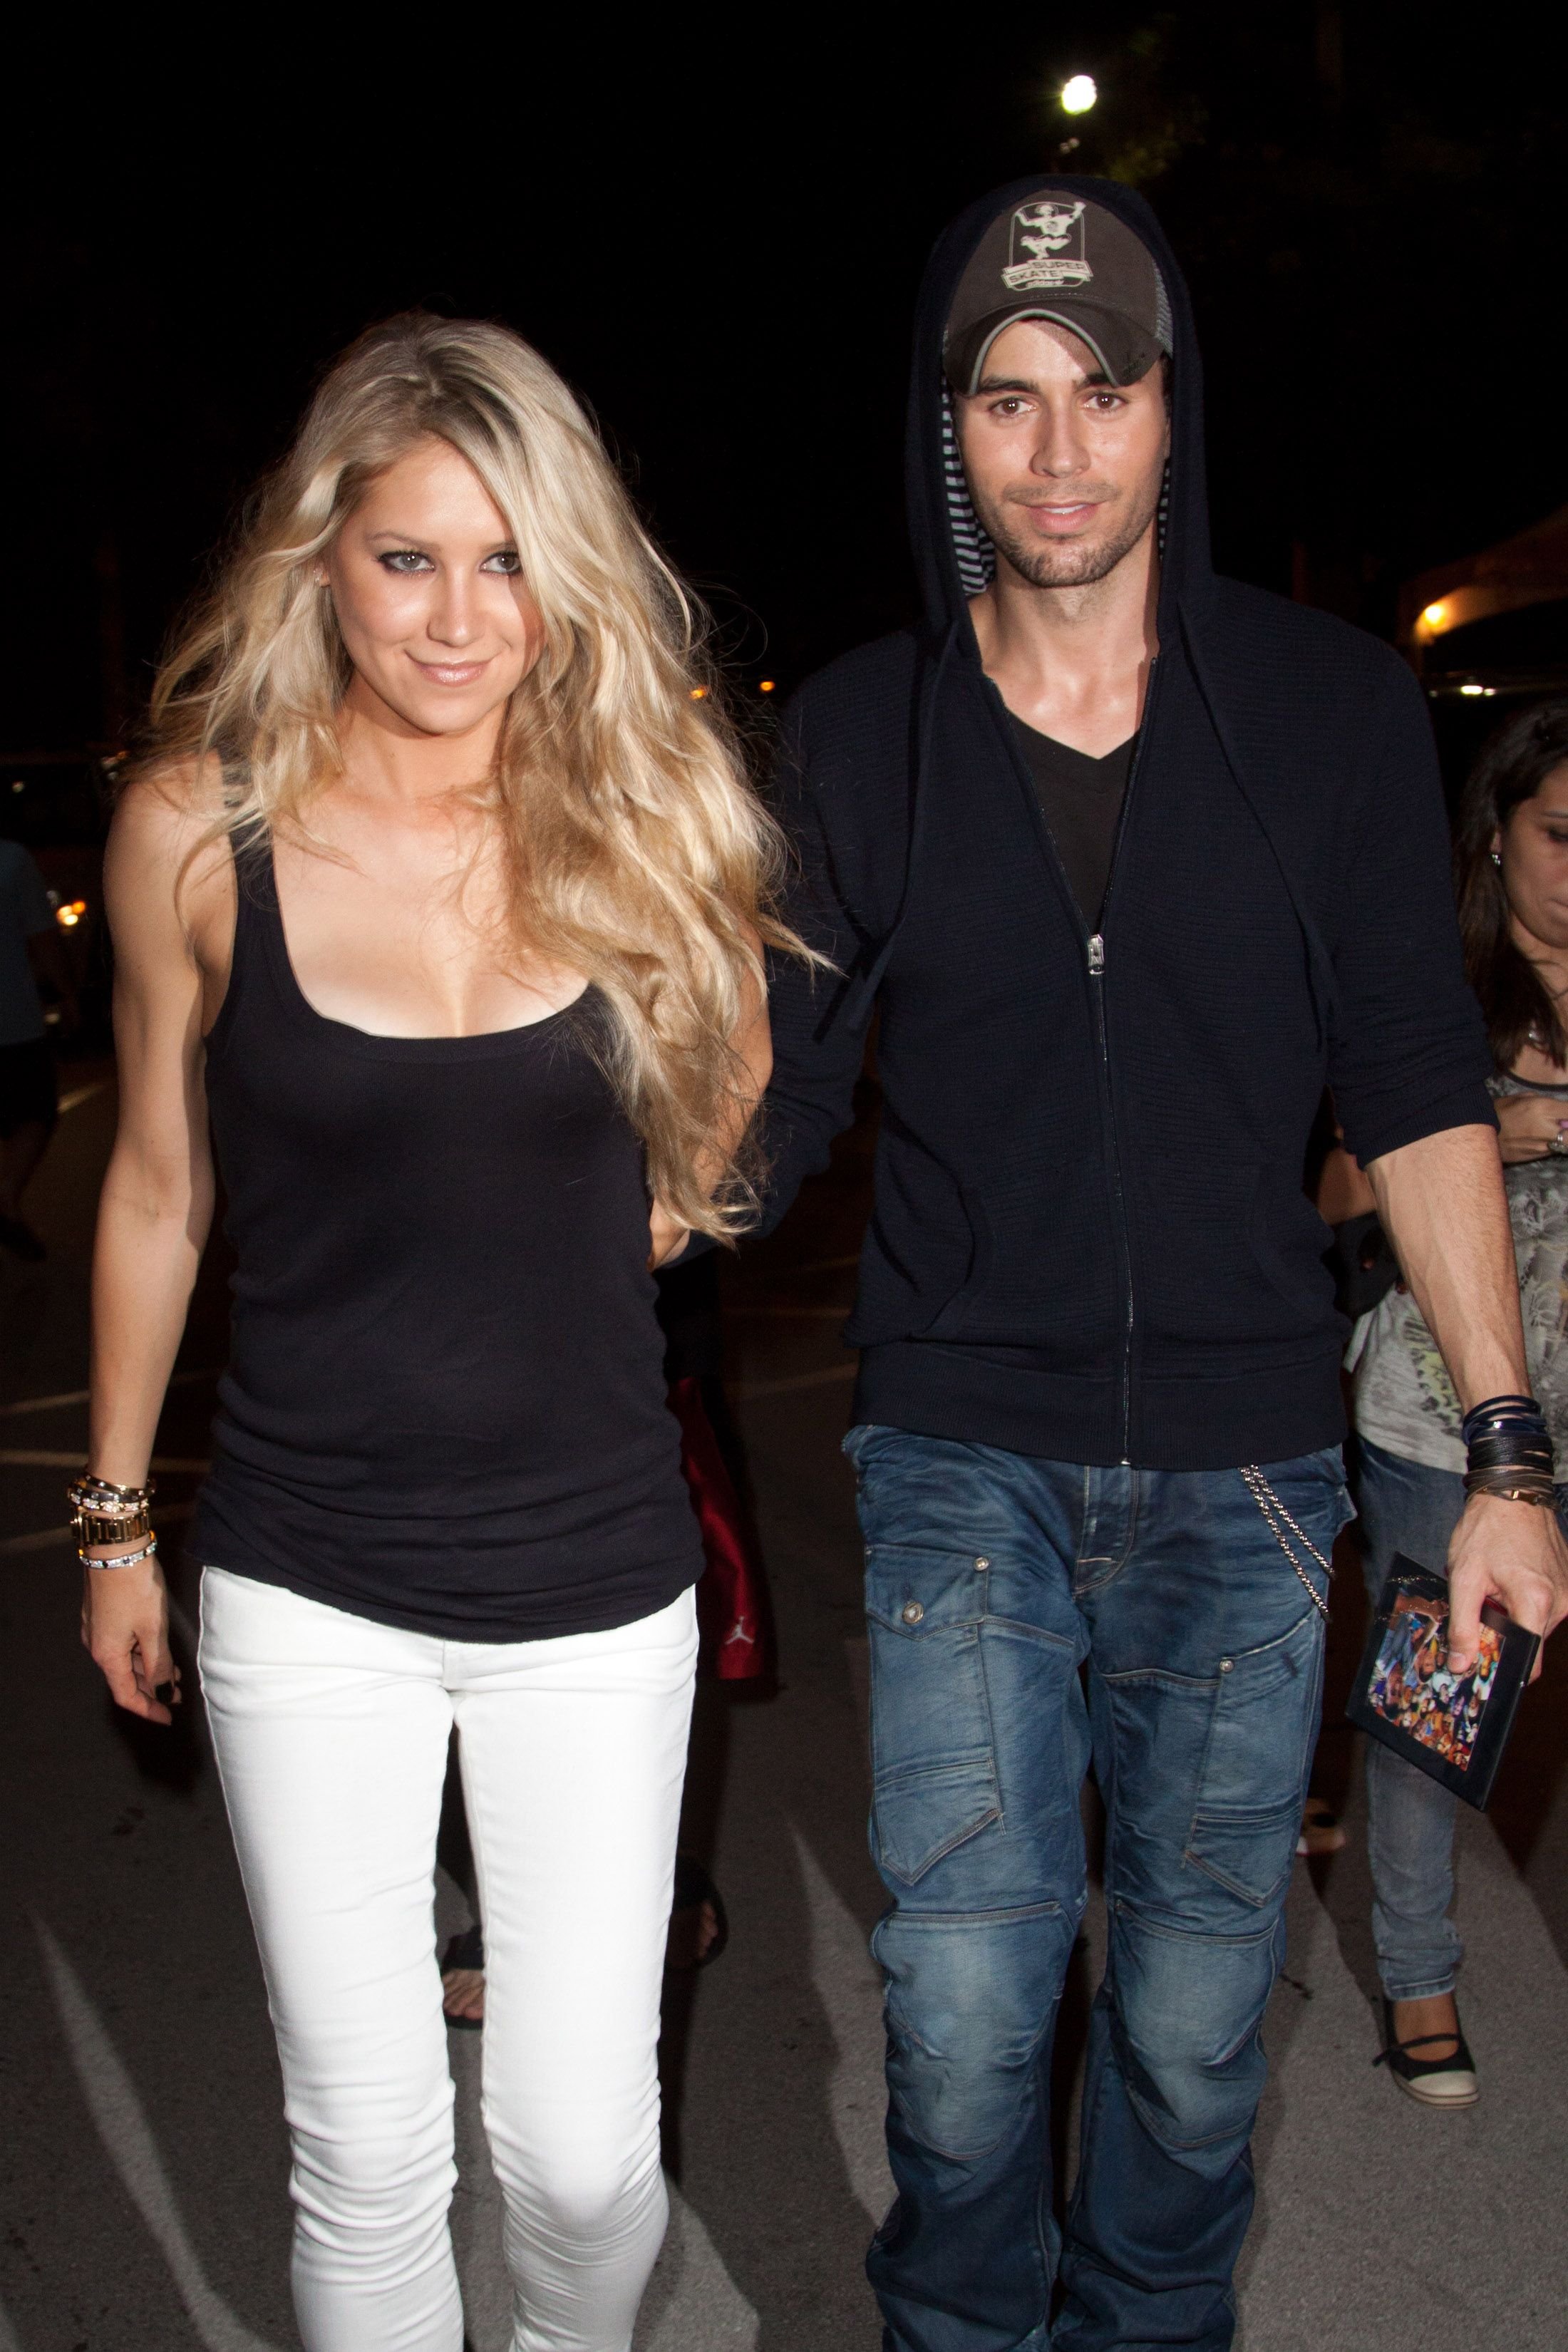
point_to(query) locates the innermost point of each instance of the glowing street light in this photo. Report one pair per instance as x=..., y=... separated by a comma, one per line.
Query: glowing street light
x=1079, y=94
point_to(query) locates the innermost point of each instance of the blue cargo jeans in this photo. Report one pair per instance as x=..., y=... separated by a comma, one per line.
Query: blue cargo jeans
x=991, y=1578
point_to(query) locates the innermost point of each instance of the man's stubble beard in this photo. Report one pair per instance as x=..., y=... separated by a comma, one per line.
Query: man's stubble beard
x=1056, y=564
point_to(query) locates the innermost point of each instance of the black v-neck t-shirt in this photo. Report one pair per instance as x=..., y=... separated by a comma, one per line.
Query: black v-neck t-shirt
x=1080, y=800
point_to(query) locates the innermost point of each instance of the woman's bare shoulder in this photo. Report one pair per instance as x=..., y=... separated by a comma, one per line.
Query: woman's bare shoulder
x=168, y=841
x=171, y=801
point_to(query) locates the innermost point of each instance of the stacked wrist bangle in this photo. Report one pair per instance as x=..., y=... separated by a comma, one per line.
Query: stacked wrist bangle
x=107, y=1514
x=1509, y=1452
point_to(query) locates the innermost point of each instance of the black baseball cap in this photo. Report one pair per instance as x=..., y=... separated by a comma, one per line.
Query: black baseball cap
x=1063, y=257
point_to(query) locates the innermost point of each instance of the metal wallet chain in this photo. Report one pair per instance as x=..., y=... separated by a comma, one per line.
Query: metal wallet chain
x=1274, y=1512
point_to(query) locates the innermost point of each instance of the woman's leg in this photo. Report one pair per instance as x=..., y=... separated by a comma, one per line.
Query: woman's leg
x=574, y=1752
x=330, y=1735
x=1407, y=1508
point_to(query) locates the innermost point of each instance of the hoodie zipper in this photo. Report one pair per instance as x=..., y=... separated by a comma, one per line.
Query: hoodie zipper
x=1096, y=957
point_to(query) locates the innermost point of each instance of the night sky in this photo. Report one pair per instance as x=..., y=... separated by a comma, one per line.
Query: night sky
x=716, y=230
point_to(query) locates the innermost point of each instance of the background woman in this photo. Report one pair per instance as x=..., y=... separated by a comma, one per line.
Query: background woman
x=1511, y=875
x=443, y=893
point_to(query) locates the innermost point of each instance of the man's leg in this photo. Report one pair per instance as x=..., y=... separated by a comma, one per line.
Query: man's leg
x=978, y=1747
x=1205, y=1678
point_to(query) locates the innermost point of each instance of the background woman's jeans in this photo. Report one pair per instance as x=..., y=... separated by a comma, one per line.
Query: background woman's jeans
x=991, y=1580
x=1407, y=1508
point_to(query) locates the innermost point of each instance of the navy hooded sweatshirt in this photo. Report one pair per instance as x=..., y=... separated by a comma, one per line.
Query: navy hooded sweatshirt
x=1089, y=1239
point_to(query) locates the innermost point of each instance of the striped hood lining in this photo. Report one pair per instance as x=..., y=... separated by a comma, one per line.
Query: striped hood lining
x=972, y=546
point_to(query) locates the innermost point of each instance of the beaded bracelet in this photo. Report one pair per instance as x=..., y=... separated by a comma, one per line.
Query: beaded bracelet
x=126, y=1558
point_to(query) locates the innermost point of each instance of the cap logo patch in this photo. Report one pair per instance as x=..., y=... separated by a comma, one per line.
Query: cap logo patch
x=1046, y=247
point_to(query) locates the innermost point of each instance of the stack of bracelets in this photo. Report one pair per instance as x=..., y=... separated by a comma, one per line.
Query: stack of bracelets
x=107, y=1514
x=1509, y=1452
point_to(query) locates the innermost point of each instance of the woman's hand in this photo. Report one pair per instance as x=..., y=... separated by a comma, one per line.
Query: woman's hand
x=125, y=1630
x=667, y=1239
x=1527, y=1125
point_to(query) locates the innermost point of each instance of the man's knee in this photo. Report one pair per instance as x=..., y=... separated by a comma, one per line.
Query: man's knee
x=970, y=2000
x=1186, y=2008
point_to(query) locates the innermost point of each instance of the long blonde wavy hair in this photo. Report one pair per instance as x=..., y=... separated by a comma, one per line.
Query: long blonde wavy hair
x=635, y=850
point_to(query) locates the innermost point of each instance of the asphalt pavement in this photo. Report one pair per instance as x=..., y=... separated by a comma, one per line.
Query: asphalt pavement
x=143, y=2161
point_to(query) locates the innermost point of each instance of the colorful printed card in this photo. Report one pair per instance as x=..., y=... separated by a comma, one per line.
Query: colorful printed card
x=1454, y=1726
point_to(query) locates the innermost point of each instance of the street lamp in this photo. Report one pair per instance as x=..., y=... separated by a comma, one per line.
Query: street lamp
x=1079, y=94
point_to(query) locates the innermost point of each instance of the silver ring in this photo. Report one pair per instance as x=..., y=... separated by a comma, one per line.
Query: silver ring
x=1558, y=1147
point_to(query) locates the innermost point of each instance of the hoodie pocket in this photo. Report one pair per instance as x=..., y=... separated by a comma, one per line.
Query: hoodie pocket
x=928, y=1247
x=1229, y=1257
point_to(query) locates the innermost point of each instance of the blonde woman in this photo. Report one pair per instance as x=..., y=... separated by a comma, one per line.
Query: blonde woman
x=442, y=897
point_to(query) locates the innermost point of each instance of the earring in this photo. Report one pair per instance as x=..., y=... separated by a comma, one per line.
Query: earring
x=1497, y=857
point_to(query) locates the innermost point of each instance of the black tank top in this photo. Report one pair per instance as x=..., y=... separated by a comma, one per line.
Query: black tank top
x=445, y=1408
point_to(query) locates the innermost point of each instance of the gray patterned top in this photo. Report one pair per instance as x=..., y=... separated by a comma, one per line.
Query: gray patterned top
x=1404, y=1401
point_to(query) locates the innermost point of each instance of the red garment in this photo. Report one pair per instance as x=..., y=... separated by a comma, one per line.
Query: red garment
x=731, y=1597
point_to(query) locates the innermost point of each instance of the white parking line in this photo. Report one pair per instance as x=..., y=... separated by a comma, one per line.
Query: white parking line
x=127, y=2136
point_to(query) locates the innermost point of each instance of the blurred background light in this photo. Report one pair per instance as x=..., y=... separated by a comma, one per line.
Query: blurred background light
x=1079, y=94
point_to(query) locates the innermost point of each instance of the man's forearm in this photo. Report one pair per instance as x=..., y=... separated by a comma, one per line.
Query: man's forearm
x=1443, y=1208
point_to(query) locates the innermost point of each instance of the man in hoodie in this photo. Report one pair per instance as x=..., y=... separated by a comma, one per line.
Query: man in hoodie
x=1133, y=860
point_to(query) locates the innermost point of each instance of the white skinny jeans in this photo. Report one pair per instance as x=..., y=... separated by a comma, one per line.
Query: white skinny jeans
x=332, y=1737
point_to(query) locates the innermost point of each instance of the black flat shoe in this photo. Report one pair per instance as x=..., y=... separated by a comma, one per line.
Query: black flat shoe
x=1436, y=2082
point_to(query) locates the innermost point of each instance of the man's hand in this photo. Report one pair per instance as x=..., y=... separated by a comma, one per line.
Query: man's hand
x=1514, y=1554
x=125, y=1629
x=1527, y=1125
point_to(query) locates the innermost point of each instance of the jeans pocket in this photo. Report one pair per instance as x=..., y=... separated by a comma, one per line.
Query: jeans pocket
x=933, y=1763
x=1261, y=1734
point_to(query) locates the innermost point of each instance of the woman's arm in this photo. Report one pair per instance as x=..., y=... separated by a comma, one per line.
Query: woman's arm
x=153, y=1216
